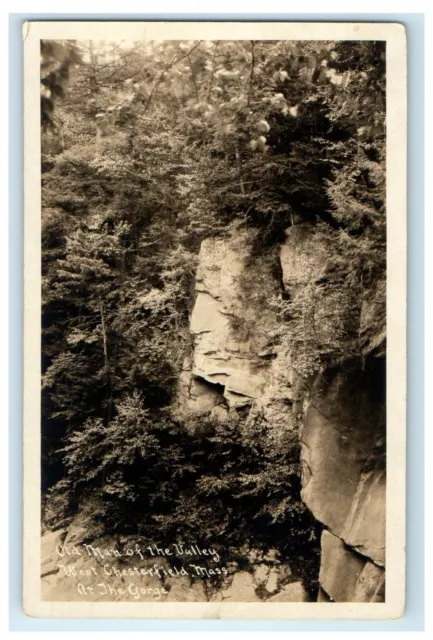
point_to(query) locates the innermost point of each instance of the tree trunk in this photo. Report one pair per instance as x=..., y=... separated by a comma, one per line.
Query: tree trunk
x=239, y=163
x=106, y=363
x=104, y=334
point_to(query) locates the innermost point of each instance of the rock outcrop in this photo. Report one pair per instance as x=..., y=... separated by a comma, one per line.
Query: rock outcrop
x=344, y=478
x=234, y=363
x=342, y=436
x=340, y=413
x=347, y=576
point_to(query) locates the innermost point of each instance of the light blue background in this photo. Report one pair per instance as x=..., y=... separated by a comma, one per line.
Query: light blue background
x=413, y=619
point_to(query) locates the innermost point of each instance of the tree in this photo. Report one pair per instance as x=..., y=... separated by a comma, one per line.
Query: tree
x=148, y=148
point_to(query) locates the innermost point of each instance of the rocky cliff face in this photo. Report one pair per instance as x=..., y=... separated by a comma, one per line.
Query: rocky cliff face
x=342, y=435
x=234, y=363
x=237, y=364
x=340, y=413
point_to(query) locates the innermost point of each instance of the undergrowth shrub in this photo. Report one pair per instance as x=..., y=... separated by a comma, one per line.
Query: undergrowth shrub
x=225, y=485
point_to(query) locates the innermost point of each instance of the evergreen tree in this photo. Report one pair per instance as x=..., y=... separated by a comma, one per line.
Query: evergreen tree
x=147, y=149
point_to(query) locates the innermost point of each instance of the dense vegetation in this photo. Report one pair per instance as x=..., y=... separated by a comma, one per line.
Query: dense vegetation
x=146, y=150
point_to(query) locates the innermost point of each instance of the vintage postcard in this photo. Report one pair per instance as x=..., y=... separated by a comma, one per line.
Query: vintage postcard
x=215, y=320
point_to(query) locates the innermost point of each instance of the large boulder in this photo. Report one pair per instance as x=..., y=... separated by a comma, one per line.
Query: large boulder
x=293, y=592
x=181, y=589
x=49, y=556
x=242, y=589
x=364, y=528
x=371, y=584
x=343, y=467
x=231, y=325
x=346, y=576
x=340, y=569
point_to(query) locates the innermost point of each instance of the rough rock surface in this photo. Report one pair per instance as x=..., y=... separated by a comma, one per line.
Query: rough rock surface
x=224, y=353
x=183, y=590
x=195, y=395
x=371, y=584
x=344, y=476
x=372, y=326
x=341, y=430
x=242, y=589
x=48, y=556
x=302, y=256
x=293, y=592
x=346, y=576
x=364, y=528
x=233, y=361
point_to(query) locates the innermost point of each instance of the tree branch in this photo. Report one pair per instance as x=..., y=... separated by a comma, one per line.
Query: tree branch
x=193, y=78
x=167, y=68
x=253, y=61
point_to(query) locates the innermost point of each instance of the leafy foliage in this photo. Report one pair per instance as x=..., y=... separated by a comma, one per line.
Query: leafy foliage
x=56, y=60
x=147, y=149
x=228, y=485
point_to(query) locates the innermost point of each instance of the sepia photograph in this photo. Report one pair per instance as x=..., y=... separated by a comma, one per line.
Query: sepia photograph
x=213, y=300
